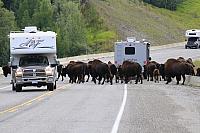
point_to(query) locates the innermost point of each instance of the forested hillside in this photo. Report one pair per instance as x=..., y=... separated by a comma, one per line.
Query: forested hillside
x=79, y=27
x=153, y=20
x=91, y=26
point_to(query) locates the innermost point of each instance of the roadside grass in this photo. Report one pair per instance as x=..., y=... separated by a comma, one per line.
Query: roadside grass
x=101, y=41
x=160, y=26
x=190, y=7
x=197, y=63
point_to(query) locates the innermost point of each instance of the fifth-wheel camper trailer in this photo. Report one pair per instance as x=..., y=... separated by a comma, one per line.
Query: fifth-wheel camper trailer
x=33, y=58
x=133, y=50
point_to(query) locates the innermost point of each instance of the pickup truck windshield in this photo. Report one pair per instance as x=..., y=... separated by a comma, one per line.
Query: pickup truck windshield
x=192, y=39
x=33, y=61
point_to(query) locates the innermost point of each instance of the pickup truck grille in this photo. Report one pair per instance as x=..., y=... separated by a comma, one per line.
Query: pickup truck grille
x=35, y=73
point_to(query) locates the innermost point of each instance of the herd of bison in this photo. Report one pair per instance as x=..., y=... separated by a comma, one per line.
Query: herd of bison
x=80, y=72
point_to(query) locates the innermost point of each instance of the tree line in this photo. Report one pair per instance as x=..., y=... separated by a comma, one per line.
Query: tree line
x=168, y=4
x=76, y=23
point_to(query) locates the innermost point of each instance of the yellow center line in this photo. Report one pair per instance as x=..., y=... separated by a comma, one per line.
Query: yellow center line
x=39, y=98
x=28, y=104
x=12, y=110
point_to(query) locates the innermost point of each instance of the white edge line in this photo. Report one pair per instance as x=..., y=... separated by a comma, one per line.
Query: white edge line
x=4, y=87
x=119, y=116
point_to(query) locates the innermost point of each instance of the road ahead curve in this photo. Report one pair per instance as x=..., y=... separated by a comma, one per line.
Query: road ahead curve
x=89, y=108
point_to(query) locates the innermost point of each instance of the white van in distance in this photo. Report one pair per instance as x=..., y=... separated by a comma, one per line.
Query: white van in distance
x=193, y=38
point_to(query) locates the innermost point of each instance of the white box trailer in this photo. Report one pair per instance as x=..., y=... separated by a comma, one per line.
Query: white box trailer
x=193, y=38
x=133, y=50
x=33, y=58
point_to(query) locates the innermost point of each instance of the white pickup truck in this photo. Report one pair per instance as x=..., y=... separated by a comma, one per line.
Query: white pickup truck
x=33, y=59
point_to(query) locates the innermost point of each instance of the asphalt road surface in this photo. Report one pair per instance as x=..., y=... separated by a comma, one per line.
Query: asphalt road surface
x=88, y=108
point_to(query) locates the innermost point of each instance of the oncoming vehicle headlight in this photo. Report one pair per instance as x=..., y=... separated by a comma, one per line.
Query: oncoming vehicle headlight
x=19, y=72
x=49, y=71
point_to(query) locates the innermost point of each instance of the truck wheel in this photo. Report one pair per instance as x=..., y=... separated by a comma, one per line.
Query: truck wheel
x=50, y=86
x=186, y=47
x=55, y=85
x=13, y=87
x=18, y=88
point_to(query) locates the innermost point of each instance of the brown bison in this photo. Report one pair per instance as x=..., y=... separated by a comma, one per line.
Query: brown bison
x=176, y=68
x=120, y=73
x=131, y=69
x=144, y=72
x=59, y=70
x=181, y=59
x=103, y=71
x=156, y=75
x=99, y=70
x=92, y=68
x=113, y=70
x=85, y=70
x=162, y=71
x=198, y=72
x=150, y=67
x=6, y=70
x=189, y=60
x=76, y=70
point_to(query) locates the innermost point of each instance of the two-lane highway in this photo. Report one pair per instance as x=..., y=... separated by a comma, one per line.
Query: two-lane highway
x=88, y=108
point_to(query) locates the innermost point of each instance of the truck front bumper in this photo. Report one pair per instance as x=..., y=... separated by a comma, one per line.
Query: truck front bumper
x=37, y=81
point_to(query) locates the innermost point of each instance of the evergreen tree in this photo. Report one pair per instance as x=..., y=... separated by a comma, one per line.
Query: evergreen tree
x=26, y=21
x=43, y=17
x=168, y=4
x=7, y=23
x=23, y=5
x=71, y=27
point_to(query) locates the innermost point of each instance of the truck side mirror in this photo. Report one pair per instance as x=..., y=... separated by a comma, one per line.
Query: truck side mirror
x=58, y=62
x=53, y=65
x=14, y=67
x=9, y=64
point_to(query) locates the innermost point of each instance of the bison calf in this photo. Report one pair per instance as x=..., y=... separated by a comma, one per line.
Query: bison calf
x=198, y=72
x=156, y=75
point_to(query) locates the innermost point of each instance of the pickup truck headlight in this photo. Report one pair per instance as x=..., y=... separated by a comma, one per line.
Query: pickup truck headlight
x=49, y=71
x=19, y=72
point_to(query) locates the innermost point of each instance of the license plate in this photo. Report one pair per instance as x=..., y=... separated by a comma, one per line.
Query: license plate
x=34, y=82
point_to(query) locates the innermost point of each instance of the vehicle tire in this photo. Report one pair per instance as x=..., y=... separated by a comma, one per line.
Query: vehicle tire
x=13, y=87
x=50, y=86
x=55, y=85
x=186, y=47
x=18, y=88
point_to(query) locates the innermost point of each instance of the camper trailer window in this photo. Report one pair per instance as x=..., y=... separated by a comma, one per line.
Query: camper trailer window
x=192, y=33
x=33, y=61
x=130, y=50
